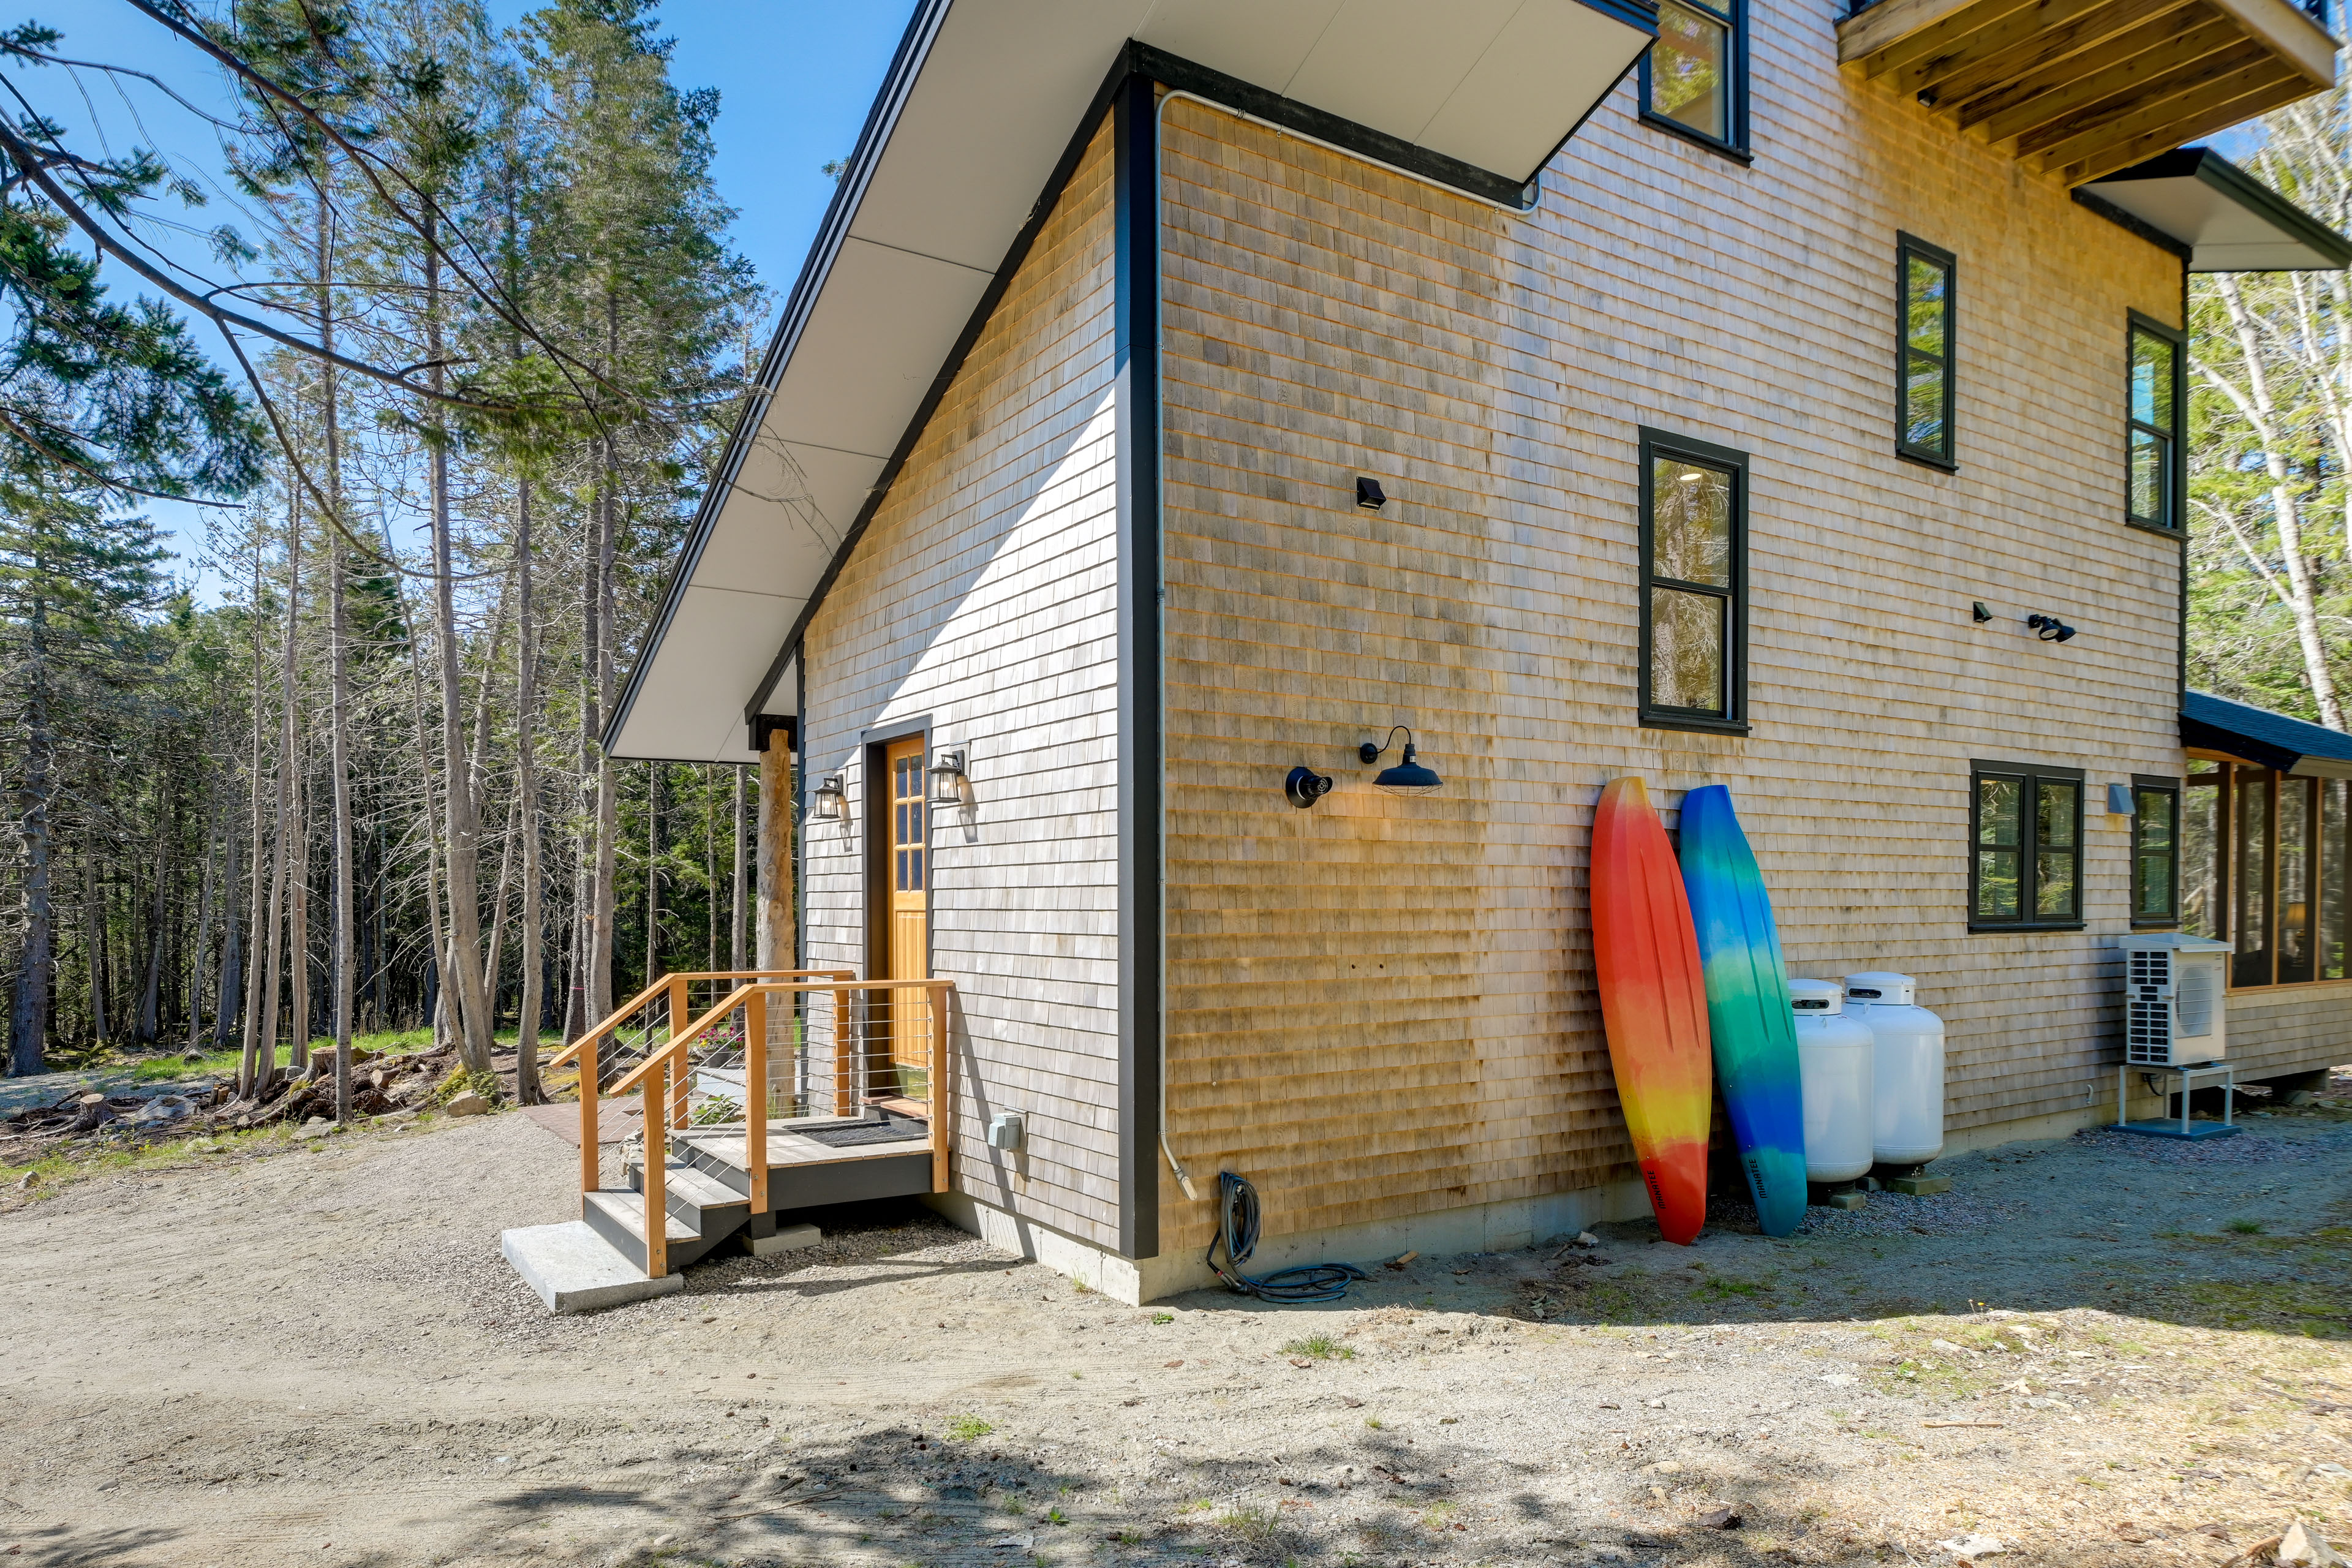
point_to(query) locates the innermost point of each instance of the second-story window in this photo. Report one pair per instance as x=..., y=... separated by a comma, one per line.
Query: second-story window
x=1925, y=316
x=1694, y=77
x=1694, y=585
x=2153, y=456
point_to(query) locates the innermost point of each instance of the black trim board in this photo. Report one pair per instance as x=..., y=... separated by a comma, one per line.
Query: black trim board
x=1136, y=377
x=2093, y=202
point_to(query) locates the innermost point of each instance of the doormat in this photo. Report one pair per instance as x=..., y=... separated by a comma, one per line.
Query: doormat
x=857, y=1133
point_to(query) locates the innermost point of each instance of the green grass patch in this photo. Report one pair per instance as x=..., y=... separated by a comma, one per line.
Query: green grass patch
x=1322, y=1347
x=2245, y=1226
x=969, y=1429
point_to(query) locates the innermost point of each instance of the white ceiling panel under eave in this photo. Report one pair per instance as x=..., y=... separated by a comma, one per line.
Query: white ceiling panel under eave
x=980, y=105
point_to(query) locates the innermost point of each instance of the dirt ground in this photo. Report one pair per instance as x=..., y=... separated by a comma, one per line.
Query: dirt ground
x=2101, y=1350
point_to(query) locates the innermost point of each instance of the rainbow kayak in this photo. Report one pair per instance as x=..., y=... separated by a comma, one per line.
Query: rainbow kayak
x=1652, y=1003
x=1747, y=1014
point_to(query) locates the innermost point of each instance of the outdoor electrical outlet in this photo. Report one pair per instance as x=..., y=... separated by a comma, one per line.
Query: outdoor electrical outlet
x=1004, y=1129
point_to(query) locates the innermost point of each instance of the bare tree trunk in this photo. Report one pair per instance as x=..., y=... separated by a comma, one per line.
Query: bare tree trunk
x=463, y=974
x=204, y=924
x=226, y=1012
x=339, y=700
x=150, y=996
x=526, y=1085
x=93, y=925
x=265, y=1070
x=249, y=1064
x=298, y=925
x=493, y=965
x=28, y=1006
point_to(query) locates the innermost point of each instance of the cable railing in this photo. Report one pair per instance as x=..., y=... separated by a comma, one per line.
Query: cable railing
x=816, y=1054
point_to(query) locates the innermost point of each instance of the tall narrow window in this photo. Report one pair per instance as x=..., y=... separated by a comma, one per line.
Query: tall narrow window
x=2296, y=876
x=2332, y=857
x=2156, y=852
x=2026, y=862
x=1694, y=77
x=1694, y=585
x=1925, y=355
x=2153, y=454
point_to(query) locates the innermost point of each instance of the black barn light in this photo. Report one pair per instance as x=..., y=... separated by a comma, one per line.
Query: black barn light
x=1408, y=777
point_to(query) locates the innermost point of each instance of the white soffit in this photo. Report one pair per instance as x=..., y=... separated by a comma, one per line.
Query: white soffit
x=979, y=107
x=2229, y=221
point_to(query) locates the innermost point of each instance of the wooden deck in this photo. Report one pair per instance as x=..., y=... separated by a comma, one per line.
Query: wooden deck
x=789, y=1148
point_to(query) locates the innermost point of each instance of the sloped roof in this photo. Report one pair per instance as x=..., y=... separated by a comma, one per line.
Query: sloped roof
x=2258, y=735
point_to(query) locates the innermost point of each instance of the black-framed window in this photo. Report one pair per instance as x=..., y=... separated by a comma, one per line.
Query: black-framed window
x=2156, y=851
x=1694, y=649
x=2154, y=450
x=2025, y=833
x=1926, y=351
x=1694, y=77
x=2266, y=866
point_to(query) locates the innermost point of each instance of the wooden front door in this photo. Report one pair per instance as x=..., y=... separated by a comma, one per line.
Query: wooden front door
x=908, y=902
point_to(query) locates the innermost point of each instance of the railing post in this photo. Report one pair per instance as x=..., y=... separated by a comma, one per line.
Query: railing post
x=657, y=1174
x=681, y=1014
x=941, y=1098
x=845, y=1092
x=590, y=1170
x=755, y=1097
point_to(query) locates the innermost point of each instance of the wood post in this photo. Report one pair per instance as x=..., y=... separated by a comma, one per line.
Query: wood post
x=657, y=1173
x=590, y=1176
x=778, y=940
x=681, y=1014
x=755, y=1097
x=845, y=1055
x=936, y=995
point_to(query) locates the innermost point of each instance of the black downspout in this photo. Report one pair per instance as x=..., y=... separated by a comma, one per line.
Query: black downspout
x=1136, y=372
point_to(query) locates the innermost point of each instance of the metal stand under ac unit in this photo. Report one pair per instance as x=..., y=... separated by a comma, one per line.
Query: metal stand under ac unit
x=2166, y=1127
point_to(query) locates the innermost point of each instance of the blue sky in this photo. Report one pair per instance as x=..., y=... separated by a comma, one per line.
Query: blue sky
x=794, y=78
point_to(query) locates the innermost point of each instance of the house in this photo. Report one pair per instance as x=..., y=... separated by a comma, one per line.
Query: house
x=1180, y=394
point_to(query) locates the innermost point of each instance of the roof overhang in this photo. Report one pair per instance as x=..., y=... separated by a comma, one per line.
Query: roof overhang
x=2240, y=730
x=975, y=119
x=2221, y=218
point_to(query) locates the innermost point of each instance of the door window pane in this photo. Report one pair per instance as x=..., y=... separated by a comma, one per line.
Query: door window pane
x=2249, y=878
x=2201, y=855
x=1690, y=70
x=2294, y=908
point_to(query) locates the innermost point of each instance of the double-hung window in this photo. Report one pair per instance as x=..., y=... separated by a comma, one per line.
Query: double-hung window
x=1693, y=543
x=2025, y=866
x=2156, y=851
x=1924, y=383
x=2154, y=447
x=1694, y=77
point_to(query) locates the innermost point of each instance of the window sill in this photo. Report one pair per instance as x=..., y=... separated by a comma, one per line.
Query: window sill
x=2153, y=922
x=1941, y=465
x=2009, y=926
x=2174, y=535
x=1737, y=155
x=1693, y=723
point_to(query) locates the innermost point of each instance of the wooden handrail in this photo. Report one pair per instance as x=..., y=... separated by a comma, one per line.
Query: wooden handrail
x=656, y=989
x=735, y=998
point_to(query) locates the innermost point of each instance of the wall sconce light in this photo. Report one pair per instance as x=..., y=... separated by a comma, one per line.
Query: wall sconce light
x=2049, y=629
x=1980, y=613
x=947, y=778
x=1305, y=786
x=1370, y=496
x=1408, y=777
x=830, y=798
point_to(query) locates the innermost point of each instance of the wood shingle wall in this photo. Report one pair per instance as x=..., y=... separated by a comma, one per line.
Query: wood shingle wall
x=1383, y=1007
x=982, y=595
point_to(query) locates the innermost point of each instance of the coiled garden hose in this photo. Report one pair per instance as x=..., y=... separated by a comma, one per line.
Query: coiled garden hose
x=1237, y=1228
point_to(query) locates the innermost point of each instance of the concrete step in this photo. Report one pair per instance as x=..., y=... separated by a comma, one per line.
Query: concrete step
x=576, y=1270
x=620, y=1218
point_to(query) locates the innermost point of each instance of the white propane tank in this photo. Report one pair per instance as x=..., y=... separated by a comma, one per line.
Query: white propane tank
x=1907, y=1064
x=1834, y=1054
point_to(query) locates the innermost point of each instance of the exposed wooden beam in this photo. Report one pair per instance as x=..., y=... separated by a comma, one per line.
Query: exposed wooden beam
x=1962, y=55
x=2196, y=108
x=2284, y=87
x=2121, y=80
x=1889, y=22
x=2065, y=54
x=2153, y=104
x=1951, y=32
